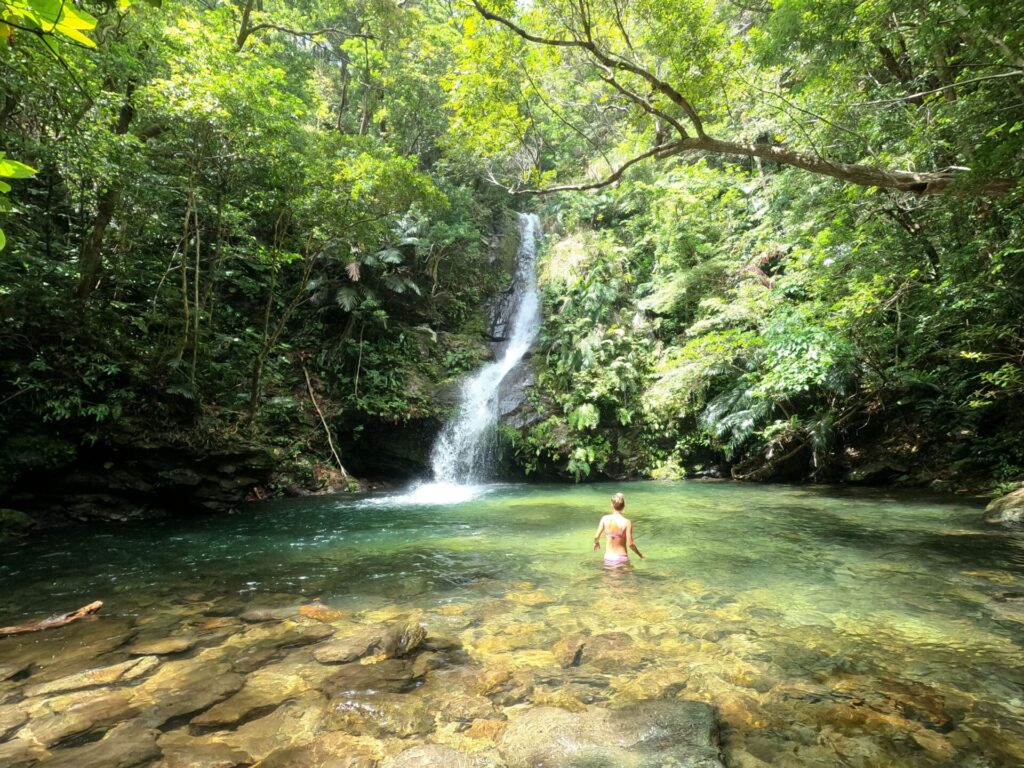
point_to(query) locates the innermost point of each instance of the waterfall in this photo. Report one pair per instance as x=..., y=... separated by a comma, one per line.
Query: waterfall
x=462, y=452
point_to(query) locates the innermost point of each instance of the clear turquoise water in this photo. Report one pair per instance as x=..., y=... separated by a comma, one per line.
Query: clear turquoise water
x=829, y=628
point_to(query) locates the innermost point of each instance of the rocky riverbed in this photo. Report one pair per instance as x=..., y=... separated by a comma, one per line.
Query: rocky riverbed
x=307, y=685
x=767, y=627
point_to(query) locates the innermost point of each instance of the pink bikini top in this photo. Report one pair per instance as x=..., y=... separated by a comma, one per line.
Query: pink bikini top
x=616, y=535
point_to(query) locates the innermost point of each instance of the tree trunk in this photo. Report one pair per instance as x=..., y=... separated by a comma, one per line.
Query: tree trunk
x=91, y=258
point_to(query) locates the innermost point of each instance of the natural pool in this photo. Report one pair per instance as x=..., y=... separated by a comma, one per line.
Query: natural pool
x=826, y=627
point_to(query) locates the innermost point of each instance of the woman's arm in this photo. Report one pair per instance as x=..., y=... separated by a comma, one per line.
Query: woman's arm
x=629, y=539
x=597, y=536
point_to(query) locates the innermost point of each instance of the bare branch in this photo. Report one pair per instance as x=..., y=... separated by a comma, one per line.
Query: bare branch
x=915, y=96
x=662, y=150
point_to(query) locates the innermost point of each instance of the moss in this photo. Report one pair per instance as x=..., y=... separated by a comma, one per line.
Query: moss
x=14, y=523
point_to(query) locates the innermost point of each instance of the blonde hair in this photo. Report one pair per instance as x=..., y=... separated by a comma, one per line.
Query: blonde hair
x=618, y=502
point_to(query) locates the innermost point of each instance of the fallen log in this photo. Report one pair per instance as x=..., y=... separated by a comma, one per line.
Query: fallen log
x=54, y=621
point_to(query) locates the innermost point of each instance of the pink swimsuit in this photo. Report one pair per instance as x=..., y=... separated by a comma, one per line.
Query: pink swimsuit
x=614, y=560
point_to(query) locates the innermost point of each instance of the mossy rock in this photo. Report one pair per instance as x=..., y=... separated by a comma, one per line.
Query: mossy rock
x=14, y=523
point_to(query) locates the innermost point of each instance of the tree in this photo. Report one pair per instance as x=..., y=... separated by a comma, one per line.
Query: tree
x=674, y=65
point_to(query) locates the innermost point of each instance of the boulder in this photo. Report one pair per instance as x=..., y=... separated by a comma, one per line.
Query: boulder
x=1006, y=509
x=649, y=734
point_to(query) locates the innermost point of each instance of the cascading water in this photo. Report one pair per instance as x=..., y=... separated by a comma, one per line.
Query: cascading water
x=461, y=453
x=461, y=456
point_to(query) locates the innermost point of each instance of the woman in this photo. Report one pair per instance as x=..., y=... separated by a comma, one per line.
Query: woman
x=619, y=531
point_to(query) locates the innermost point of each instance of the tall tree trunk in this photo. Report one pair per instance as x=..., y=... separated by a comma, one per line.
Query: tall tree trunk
x=91, y=257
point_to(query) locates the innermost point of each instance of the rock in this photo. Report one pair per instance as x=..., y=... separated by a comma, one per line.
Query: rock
x=60, y=717
x=875, y=473
x=642, y=735
x=329, y=750
x=437, y=756
x=180, y=687
x=264, y=689
x=259, y=615
x=116, y=673
x=21, y=753
x=487, y=729
x=127, y=745
x=181, y=750
x=569, y=650
x=12, y=717
x=379, y=715
x=1006, y=509
x=392, y=675
x=14, y=669
x=322, y=613
x=292, y=724
x=14, y=523
x=531, y=597
x=610, y=650
x=167, y=646
x=385, y=643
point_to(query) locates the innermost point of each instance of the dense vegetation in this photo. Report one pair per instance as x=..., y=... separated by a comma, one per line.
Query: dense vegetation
x=728, y=303
x=235, y=211
x=788, y=239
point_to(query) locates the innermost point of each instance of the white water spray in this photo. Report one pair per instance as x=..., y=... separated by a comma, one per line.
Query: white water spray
x=461, y=454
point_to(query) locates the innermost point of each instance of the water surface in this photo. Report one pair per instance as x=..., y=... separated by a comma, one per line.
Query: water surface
x=827, y=627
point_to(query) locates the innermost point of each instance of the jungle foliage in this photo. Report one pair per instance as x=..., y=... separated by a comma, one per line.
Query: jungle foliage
x=784, y=238
x=212, y=201
x=743, y=288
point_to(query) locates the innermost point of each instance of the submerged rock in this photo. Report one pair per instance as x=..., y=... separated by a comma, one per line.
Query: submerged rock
x=294, y=723
x=127, y=745
x=392, y=675
x=328, y=750
x=651, y=734
x=180, y=750
x=437, y=756
x=57, y=718
x=379, y=715
x=386, y=643
x=1006, y=509
x=116, y=673
x=180, y=687
x=263, y=690
x=167, y=646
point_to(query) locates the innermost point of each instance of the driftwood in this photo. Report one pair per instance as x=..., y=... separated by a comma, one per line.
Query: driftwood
x=54, y=621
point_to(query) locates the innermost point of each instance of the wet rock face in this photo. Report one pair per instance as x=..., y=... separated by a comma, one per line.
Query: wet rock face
x=1007, y=509
x=649, y=734
x=125, y=482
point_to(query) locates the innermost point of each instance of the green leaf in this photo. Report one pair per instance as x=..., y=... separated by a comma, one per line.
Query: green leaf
x=12, y=169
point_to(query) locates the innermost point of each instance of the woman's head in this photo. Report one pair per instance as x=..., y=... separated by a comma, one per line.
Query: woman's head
x=618, y=502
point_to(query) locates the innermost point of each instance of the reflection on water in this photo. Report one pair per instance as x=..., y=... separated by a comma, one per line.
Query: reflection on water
x=827, y=628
